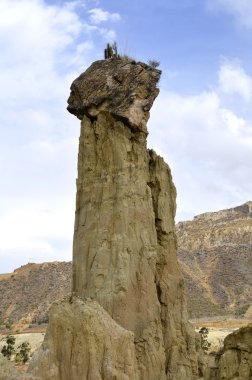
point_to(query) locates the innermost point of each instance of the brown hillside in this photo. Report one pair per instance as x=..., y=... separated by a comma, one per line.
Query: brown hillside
x=27, y=293
x=215, y=252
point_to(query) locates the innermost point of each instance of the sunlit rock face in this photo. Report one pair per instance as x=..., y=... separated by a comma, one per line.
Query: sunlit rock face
x=124, y=243
x=84, y=342
x=124, y=89
x=234, y=361
x=124, y=249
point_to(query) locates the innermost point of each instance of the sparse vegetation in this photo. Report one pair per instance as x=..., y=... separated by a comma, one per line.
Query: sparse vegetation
x=242, y=310
x=24, y=352
x=42, y=318
x=45, y=286
x=203, y=339
x=9, y=348
x=8, y=324
x=127, y=58
x=114, y=48
x=111, y=51
x=153, y=63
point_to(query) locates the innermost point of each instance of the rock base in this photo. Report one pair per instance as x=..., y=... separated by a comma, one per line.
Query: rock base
x=84, y=343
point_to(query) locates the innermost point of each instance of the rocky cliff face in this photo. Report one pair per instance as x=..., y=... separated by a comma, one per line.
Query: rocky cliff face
x=215, y=253
x=84, y=342
x=124, y=253
x=234, y=361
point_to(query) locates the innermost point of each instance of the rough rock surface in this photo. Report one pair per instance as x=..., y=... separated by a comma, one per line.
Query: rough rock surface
x=125, y=89
x=234, y=361
x=84, y=342
x=215, y=253
x=124, y=251
x=8, y=371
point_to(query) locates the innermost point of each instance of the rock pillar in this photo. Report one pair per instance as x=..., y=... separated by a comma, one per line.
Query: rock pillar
x=124, y=251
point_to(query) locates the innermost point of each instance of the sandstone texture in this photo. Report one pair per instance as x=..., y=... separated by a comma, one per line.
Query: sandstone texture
x=125, y=89
x=124, y=252
x=215, y=253
x=127, y=317
x=84, y=342
x=234, y=361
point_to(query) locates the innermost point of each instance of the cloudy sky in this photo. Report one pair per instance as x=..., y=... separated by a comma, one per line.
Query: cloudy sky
x=201, y=122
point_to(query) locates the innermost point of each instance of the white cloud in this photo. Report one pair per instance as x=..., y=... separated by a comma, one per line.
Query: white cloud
x=35, y=223
x=240, y=9
x=43, y=48
x=209, y=149
x=35, y=229
x=34, y=47
x=39, y=51
x=234, y=80
x=98, y=15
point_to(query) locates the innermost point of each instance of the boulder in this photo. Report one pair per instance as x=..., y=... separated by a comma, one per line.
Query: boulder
x=84, y=342
x=234, y=361
x=125, y=89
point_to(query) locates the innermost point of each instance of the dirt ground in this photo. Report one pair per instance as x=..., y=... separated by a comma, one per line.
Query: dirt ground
x=225, y=323
x=35, y=340
x=218, y=330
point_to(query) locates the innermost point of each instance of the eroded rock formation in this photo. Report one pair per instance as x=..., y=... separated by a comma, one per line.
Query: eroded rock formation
x=124, y=253
x=124, y=245
x=124, y=89
x=234, y=361
x=84, y=342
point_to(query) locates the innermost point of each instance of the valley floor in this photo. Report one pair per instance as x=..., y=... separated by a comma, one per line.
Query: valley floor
x=219, y=329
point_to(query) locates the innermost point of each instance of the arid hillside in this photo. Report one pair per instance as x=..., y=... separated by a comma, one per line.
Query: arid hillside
x=27, y=293
x=215, y=252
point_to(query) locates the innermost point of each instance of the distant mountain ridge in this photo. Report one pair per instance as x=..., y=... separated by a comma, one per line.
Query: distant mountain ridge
x=27, y=294
x=215, y=254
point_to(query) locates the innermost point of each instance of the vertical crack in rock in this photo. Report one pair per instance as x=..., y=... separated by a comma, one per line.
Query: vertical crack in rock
x=169, y=282
x=124, y=249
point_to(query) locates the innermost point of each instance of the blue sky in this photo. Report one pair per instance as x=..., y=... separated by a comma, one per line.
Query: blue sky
x=201, y=122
